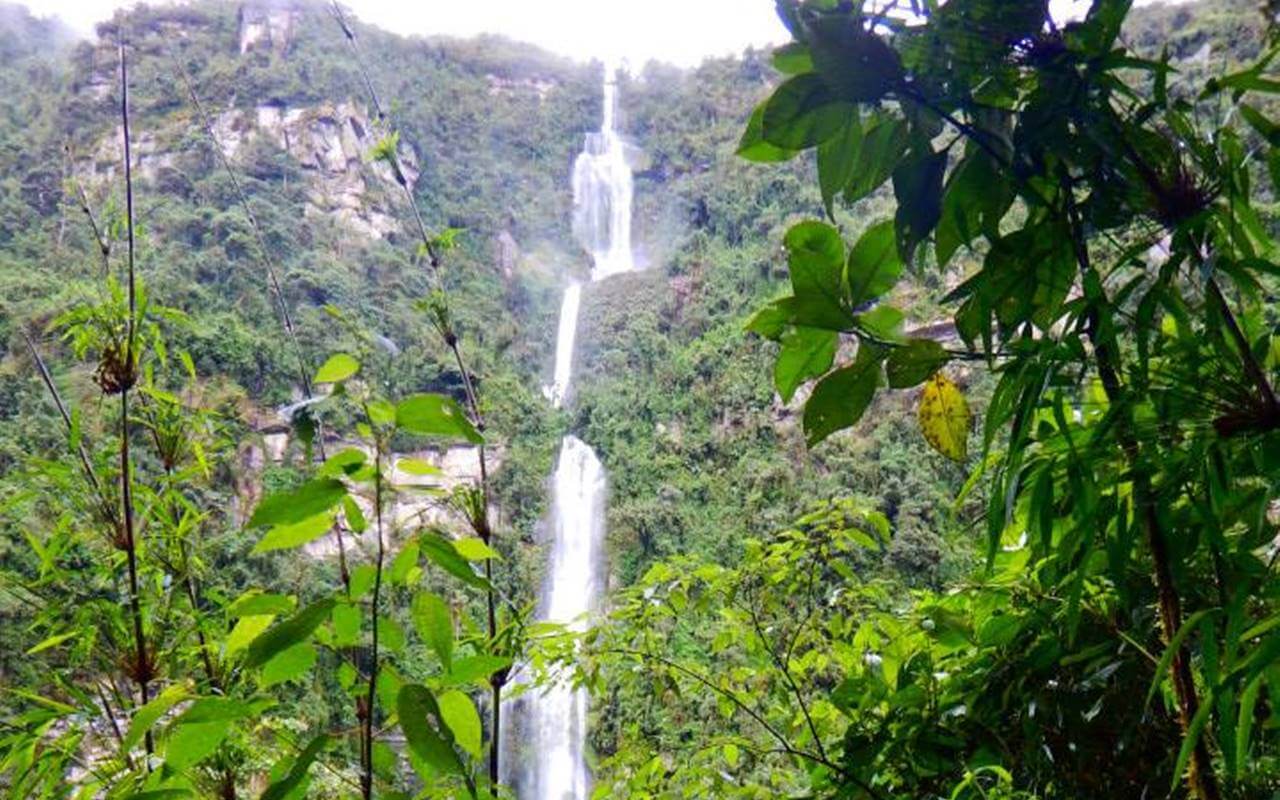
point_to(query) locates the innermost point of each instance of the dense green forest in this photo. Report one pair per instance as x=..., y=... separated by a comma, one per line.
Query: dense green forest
x=940, y=425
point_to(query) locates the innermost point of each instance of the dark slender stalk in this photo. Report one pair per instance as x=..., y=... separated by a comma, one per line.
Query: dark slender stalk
x=86, y=465
x=142, y=666
x=481, y=523
x=1201, y=779
x=784, y=668
x=366, y=735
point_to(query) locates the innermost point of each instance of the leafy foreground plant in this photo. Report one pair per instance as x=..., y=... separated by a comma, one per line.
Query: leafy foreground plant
x=215, y=706
x=1130, y=446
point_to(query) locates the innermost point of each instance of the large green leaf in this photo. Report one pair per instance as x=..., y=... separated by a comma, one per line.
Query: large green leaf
x=858, y=65
x=147, y=716
x=434, y=623
x=288, y=633
x=425, y=730
x=815, y=257
x=806, y=353
x=840, y=399
x=306, y=501
x=917, y=185
x=977, y=197
x=435, y=415
x=803, y=112
x=460, y=715
x=874, y=265
x=288, y=665
x=914, y=362
x=441, y=552
x=838, y=161
x=338, y=368
x=884, y=140
x=297, y=773
x=284, y=537
x=475, y=669
x=753, y=146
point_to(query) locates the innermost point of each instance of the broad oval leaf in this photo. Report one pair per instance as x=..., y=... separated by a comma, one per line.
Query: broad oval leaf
x=434, y=623
x=944, y=418
x=806, y=353
x=803, y=112
x=288, y=633
x=306, y=501
x=436, y=415
x=840, y=399
x=338, y=368
x=459, y=713
x=424, y=729
x=283, y=537
x=914, y=363
x=874, y=264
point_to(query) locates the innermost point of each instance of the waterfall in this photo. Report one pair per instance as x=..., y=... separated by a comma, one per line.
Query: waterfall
x=602, y=193
x=555, y=719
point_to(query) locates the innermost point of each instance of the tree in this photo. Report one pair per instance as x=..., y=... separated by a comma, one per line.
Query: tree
x=1115, y=279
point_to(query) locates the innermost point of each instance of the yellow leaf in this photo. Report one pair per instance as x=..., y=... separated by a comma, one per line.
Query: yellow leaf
x=945, y=418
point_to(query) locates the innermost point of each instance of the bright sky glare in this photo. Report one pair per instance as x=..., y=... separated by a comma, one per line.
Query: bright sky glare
x=678, y=31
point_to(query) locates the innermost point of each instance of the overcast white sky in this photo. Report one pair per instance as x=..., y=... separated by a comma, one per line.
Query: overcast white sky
x=679, y=31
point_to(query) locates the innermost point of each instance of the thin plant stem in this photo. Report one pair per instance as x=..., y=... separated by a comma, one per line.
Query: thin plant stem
x=481, y=523
x=142, y=666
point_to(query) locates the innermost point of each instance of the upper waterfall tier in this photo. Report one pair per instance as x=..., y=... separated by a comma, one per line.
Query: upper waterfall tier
x=602, y=192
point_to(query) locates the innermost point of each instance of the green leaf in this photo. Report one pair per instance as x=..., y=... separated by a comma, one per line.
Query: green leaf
x=435, y=415
x=1175, y=644
x=806, y=353
x=475, y=669
x=338, y=368
x=917, y=185
x=473, y=548
x=188, y=745
x=144, y=718
x=815, y=256
x=288, y=633
x=840, y=399
x=753, y=147
x=308, y=500
x=390, y=635
x=441, y=552
x=346, y=625
x=874, y=266
x=1190, y=739
x=884, y=140
x=774, y=319
x=459, y=713
x=803, y=112
x=53, y=641
x=284, y=787
x=288, y=665
x=353, y=515
x=344, y=462
x=837, y=162
x=884, y=323
x=424, y=729
x=434, y=623
x=944, y=418
x=254, y=602
x=417, y=466
x=283, y=537
x=914, y=363
x=977, y=197
x=792, y=59
x=857, y=64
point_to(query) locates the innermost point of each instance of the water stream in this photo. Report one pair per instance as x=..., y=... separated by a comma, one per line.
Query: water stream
x=554, y=766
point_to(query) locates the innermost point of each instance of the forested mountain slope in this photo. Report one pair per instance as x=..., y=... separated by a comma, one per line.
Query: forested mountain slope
x=702, y=452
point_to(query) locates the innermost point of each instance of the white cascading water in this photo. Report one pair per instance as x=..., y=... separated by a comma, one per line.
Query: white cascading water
x=555, y=765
